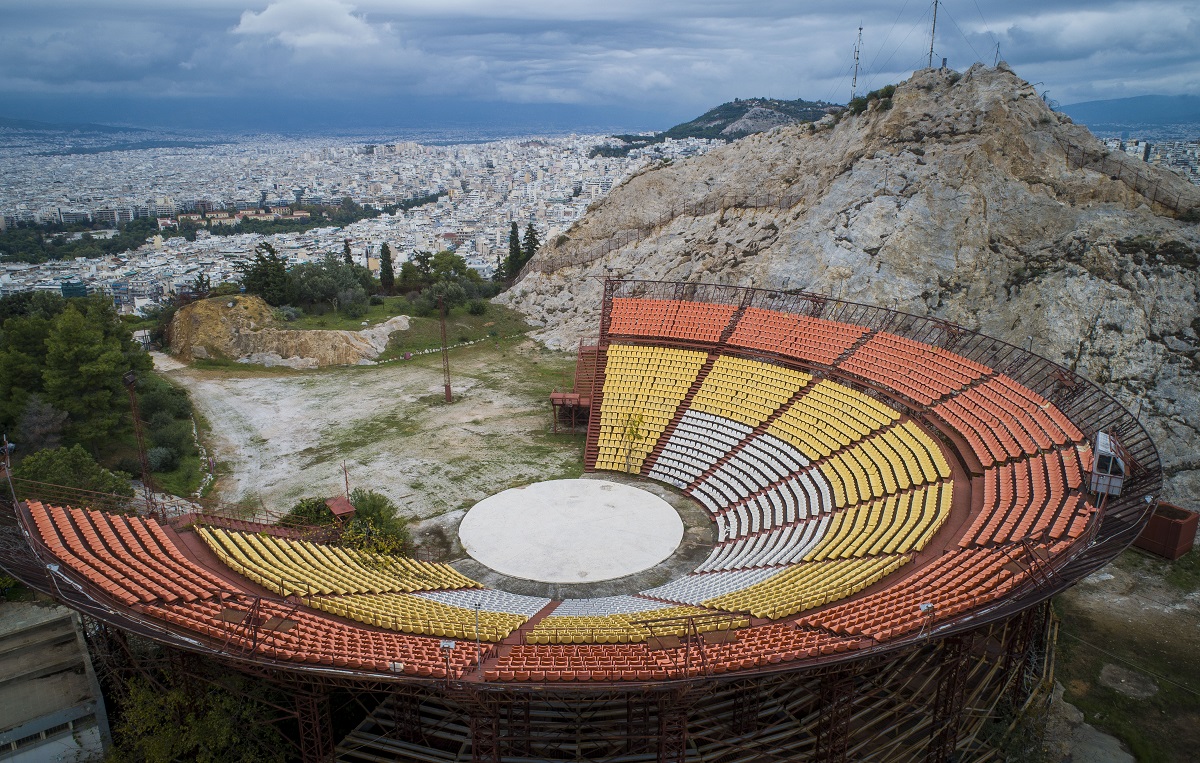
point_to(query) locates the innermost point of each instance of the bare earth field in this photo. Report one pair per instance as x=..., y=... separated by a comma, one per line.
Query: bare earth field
x=278, y=435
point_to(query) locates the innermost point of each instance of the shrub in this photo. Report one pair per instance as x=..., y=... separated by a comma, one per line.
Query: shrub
x=287, y=313
x=308, y=511
x=477, y=307
x=376, y=300
x=75, y=468
x=162, y=459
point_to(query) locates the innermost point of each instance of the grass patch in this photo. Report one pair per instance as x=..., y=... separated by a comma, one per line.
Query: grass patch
x=241, y=369
x=426, y=333
x=184, y=479
x=1184, y=572
x=376, y=314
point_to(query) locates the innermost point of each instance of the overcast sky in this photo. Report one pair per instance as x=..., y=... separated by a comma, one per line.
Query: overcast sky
x=650, y=62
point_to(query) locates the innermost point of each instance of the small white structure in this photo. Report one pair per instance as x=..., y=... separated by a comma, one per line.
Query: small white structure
x=1108, y=465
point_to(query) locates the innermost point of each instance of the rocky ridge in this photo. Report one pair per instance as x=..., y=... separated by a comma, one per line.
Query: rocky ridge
x=243, y=328
x=954, y=198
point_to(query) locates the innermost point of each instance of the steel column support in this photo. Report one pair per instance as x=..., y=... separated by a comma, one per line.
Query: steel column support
x=485, y=733
x=316, y=727
x=672, y=729
x=518, y=727
x=948, y=704
x=833, y=726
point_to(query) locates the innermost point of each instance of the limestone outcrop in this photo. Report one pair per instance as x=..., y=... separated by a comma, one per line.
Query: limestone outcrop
x=243, y=328
x=963, y=196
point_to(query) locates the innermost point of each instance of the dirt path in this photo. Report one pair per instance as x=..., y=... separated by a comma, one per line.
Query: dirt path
x=279, y=436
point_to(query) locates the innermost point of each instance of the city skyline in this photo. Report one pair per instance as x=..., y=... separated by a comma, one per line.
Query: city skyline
x=331, y=64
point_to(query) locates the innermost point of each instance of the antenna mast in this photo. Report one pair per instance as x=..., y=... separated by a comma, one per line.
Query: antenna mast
x=857, y=48
x=933, y=33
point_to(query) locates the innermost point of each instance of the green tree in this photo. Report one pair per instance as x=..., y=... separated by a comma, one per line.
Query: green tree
x=70, y=467
x=512, y=265
x=265, y=274
x=82, y=374
x=41, y=425
x=308, y=511
x=422, y=260
x=529, y=245
x=387, y=278
x=22, y=359
x=410, y=277
x=187, y=720
x=346, y=251
x=448, y=266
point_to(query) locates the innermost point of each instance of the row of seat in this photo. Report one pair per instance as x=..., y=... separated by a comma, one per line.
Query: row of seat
x=890, y=461
x=798, y=336
x=643, y=387
x=674, y=319
x=953, y=583
x=745, y=390
x=916, y=370
x=415, y=614
x=298, y=635
x=794, y=499
x=619, y=628
x=898, y=524
x=749, y=648
x=132, y=559
x=1034, y=497
x=698, y=442
x=1001, y=420
x=777, y=546
x=830, y=416
x=298, y=567
x=808, y=585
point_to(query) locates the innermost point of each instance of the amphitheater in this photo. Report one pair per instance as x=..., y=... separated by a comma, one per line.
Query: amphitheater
x=893, y=500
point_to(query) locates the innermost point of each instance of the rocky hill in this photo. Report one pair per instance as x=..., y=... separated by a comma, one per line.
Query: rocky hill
x=242, y=328
x=961, y=196
x=729, y=121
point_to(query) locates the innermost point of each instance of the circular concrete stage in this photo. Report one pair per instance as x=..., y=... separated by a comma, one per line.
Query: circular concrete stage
x=571, y=531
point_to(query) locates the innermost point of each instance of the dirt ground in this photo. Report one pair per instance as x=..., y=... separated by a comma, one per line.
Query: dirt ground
x=278, y=436
x=1126, y=656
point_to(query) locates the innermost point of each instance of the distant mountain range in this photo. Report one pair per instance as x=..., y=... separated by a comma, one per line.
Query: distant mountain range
x=729, y=121
x=1142, y=109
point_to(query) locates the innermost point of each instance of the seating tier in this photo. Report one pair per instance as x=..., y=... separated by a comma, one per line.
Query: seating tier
x=669, y=319
x=921, y=372
x=290, y=567
x=953, y=583
x=797, y=336
x=643, y=387
x=747, y=391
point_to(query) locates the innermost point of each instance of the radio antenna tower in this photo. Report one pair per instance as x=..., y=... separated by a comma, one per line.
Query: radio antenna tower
x=933, y=33
x=857, y=49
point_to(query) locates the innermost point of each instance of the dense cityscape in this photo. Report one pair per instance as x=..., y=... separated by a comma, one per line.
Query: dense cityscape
x=470, y=194
x=475, y=192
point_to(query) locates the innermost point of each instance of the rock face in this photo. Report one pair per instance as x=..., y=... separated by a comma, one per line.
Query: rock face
x=242, y=328
x=959, y=201
x=757, y=120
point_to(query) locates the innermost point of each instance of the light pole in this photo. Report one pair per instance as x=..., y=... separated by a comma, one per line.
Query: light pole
x=478, y=646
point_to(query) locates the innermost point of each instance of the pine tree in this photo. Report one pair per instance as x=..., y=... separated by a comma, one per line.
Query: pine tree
x=512, y=266
x=346, y=251
x=82, y=375
x=530, y=245
x=265, y=274
x=387, y=278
